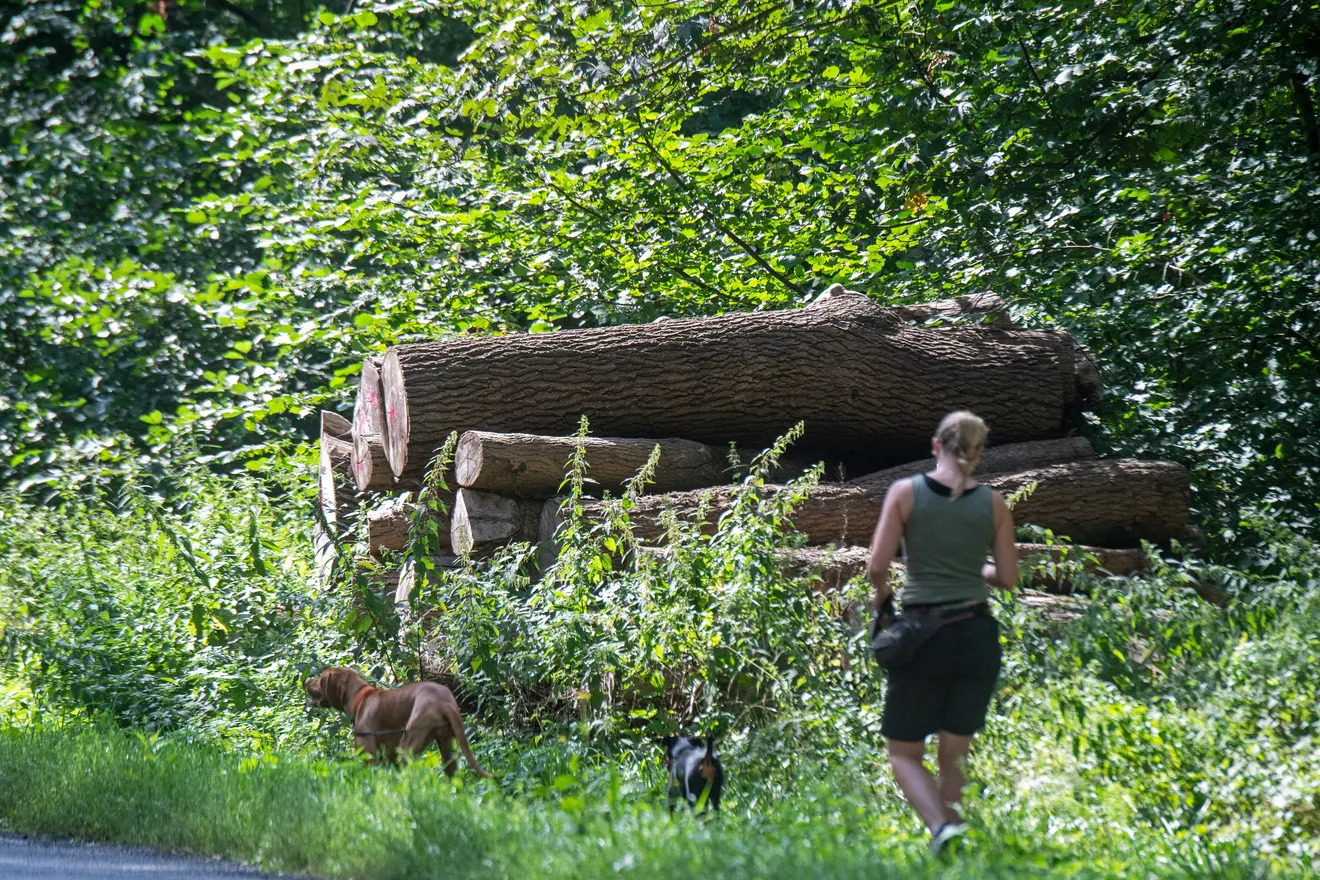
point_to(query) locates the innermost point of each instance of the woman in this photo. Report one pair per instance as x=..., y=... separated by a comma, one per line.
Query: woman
x=947, y=523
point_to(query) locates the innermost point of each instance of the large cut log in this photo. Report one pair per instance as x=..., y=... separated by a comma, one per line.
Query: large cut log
x=533, y=465
x=1049, y=566
x=832, y=507
x=1115, y=503
x=860, y=378
x=1011, y=458
x=368, y=415
x=388, y=525
x=483, y=521
x=1106, y=503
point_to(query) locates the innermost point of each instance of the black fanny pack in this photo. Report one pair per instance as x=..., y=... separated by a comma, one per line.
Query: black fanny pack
x=895, y=638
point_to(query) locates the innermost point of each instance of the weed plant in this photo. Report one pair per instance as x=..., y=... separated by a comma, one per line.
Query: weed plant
x=154, y=648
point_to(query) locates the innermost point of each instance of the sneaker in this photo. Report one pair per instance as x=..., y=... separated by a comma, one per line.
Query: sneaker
x=944, y=835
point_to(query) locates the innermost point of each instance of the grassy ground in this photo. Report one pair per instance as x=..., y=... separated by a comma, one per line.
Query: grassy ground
x=298, y=814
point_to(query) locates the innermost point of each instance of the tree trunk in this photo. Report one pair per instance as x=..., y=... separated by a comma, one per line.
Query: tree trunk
x=368, y=415
x=861, y=379
x=388, y=524
x=483, y=521
x=534, y=465
x=1010, y=458
x=1107, y=503
x=1115, y=503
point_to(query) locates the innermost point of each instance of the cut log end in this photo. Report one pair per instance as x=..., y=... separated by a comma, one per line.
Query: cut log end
x=469, y=458
x=335, y=425
x=367, y=406
x=334, y=473
x=483, y=521
x=371, y=471
x=394, y=403
x=388, y=525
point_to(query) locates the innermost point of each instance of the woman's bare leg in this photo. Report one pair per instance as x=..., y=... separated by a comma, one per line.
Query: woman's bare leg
x=918, y=786
x=951, y=753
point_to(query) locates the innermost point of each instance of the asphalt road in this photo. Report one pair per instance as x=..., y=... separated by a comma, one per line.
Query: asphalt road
x=30, y=858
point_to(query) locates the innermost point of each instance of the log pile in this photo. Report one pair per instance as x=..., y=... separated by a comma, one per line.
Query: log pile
x=693, y=397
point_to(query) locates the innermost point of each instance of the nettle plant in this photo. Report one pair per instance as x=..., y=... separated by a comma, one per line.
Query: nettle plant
x=705, y=629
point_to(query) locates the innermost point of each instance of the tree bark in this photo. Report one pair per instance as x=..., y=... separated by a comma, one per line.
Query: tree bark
x=1011, y=458
x=483, y=521
x=861, y=379
x=368, y=415
x=1116, y=503
x=534, y=465
x=984, y=308
x=1106, y=503
x=388, y=524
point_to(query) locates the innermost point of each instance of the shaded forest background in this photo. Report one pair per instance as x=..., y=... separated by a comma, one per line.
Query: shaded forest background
x=210, y=210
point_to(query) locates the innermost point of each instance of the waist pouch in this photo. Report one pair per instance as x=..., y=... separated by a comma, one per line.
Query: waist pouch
x=895, y=638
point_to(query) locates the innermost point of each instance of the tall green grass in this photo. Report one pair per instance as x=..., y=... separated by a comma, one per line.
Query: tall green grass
x=335, y=818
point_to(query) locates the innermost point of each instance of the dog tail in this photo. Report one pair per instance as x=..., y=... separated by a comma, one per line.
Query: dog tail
x=456, y=722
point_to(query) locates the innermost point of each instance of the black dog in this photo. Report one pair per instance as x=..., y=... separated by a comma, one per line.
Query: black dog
x=693, y=769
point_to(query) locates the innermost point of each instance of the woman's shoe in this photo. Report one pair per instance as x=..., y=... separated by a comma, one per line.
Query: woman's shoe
x=944, y=835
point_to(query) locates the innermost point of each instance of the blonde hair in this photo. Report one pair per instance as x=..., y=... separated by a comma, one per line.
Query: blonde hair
x=962, y=435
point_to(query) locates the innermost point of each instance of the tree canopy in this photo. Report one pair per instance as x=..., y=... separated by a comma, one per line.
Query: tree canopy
x=214, y=209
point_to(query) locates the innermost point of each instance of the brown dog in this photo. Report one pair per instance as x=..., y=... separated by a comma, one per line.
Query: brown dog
x=406, y=719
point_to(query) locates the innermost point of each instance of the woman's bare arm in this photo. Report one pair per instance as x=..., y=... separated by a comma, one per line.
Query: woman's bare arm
x=888, y=532
x=1003, y=573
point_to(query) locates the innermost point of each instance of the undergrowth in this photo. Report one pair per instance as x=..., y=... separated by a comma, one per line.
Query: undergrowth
x=154, y=647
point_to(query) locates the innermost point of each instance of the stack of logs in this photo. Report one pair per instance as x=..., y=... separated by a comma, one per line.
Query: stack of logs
x=869, y=383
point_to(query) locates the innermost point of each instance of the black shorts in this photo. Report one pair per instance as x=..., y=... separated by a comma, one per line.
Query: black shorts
x=947, y=685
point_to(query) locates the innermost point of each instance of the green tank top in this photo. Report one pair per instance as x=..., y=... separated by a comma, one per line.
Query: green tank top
x=946, y=540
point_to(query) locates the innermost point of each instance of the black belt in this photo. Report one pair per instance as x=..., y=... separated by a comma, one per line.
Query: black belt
x=944, y=610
